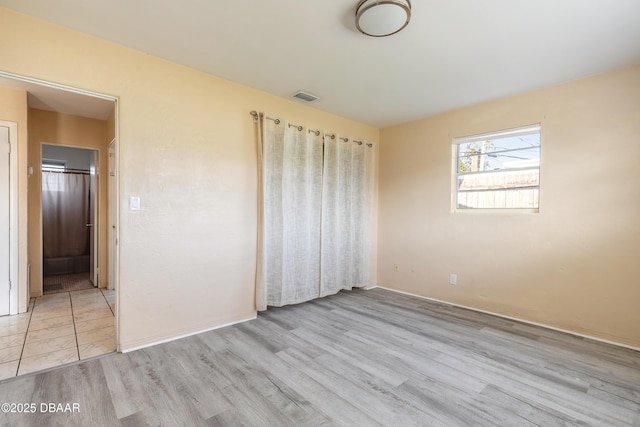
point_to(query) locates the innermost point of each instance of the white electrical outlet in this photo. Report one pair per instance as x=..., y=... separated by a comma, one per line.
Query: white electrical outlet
x=453, y=279
x=396, y=268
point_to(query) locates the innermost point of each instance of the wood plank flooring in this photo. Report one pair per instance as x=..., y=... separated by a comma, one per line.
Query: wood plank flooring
x=359, y=358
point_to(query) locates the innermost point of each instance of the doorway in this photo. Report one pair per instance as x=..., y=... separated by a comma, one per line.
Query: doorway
x=70, y=225
x=41, y=332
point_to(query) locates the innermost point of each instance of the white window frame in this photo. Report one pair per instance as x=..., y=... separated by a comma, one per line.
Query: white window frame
x=514, y=132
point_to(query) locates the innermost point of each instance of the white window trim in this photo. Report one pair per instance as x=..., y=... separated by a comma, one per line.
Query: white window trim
x=523, y=130
x=518, y=131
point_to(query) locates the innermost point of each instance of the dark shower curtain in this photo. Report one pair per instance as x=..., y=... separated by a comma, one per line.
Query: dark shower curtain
x=65, y=213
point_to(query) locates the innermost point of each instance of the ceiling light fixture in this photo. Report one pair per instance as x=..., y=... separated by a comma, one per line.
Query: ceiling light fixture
x=381, y=18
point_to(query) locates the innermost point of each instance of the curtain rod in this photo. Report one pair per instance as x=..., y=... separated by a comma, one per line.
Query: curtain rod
x=333, y=136
x=73, y=171
x=257, y=115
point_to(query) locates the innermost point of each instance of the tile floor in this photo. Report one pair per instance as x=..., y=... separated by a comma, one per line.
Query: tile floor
x=58, y=328
x=69, y=282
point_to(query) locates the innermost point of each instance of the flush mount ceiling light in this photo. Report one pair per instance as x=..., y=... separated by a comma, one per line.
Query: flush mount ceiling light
x=381, y=18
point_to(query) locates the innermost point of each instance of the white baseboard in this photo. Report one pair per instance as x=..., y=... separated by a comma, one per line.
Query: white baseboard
x=151, y=344
x=542, y=325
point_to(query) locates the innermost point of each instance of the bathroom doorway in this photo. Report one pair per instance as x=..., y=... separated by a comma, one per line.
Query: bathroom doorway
x=70, y=226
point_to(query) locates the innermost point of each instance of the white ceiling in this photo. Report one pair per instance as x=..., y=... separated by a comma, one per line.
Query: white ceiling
x=453, y=53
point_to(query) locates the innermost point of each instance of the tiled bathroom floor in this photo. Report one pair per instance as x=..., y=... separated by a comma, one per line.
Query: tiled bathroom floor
x=58, y=329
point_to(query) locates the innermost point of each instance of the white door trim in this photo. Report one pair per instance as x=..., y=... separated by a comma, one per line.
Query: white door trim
x=52, y=85
x=14, y=293
x=95, y=219
x=112, y=214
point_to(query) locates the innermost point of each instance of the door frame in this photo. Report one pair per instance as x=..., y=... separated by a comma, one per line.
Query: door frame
x=15, y=291
x=116, y=109
x=112, y=213
x=94, y=203
x=94, y=250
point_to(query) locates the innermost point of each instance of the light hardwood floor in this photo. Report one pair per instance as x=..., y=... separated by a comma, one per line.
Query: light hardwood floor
x=358, y=358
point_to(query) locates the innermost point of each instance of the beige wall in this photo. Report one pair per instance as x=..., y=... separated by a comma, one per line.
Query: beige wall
x=63, y=129
x=572, y=266
x=187, y=149
x=13, y=108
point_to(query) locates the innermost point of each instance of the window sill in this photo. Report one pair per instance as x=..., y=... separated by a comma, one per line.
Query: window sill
x=496, y=211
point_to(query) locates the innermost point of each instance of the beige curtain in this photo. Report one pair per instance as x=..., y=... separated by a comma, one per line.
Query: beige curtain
x=315, y=205
x=65, y=213
x=289, y=241
x=261, y=289
x=347, y=204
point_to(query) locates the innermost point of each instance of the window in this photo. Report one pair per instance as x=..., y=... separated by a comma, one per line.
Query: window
x=498, y=170
x=53, y=165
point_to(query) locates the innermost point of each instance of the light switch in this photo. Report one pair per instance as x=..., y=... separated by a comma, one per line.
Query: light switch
x=134, y=203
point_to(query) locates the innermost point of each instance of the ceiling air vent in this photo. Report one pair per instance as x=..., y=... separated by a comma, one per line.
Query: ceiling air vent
x=304, y=96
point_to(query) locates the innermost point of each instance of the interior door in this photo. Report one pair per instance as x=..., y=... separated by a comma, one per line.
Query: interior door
x=93, y=215
x=5, y=260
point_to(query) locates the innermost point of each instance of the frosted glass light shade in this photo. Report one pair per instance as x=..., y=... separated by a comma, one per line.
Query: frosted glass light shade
x=380, y=18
